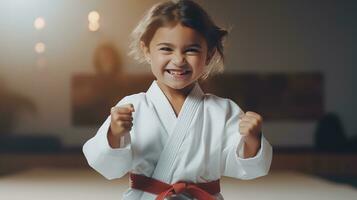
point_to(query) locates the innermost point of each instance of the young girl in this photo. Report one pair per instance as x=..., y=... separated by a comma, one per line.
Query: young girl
x=176, y=141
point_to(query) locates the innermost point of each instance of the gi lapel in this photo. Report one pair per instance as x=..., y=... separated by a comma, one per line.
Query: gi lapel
x=163, y=108
x=179, y=129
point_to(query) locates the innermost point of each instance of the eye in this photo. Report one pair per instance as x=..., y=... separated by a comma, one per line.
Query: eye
x=165, y=49
x=192, y=50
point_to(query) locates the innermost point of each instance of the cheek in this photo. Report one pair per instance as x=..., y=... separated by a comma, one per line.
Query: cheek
x=159, y=61
x=198, y=62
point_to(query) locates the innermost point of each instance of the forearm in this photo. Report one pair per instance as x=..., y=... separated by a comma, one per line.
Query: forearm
x=114, y=142
x=101, y=156
x=251, y=146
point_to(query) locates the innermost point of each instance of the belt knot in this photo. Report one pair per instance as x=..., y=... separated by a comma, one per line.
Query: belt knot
x=179, y=187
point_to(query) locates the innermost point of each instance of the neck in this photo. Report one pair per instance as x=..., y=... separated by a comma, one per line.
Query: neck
x=176, y=93
x=176, y=97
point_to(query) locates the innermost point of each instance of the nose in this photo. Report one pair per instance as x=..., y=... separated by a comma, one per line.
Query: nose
x=178, y=59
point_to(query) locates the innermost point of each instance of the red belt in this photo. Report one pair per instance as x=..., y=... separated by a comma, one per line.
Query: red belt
x=201, y=191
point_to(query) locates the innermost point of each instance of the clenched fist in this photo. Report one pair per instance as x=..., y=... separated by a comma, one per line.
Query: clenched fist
x=250, y=128
x=121, y=122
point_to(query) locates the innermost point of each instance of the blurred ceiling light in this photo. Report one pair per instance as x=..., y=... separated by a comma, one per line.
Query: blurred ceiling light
x=93, y=17
x=93, y=26
x=40, y=47
x=39, y=23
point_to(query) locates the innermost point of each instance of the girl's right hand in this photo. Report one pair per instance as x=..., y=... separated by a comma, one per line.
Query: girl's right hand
x=121, y=120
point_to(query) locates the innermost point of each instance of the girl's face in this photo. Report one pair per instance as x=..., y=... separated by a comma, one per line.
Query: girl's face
x=178, y=56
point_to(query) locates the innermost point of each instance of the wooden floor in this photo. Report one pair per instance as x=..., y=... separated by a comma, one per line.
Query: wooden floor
x=77, y=184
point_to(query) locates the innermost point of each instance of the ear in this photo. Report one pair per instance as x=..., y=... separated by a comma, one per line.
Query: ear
x=145, y=51
x=210, y=55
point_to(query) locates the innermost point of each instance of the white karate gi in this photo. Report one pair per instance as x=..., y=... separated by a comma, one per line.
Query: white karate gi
x=200, y=145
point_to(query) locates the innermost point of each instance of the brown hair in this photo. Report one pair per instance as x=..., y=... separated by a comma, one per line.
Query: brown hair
x=189, y=14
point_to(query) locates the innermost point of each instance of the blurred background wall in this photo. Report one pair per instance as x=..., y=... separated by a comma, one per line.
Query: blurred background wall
x=266, y=37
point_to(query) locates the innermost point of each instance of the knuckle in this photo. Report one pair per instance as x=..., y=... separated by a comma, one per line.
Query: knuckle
x=120, y=123
x=255, y=122
x=112, y=109
x=114, y=117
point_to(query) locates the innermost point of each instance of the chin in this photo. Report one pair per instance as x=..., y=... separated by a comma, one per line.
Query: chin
x=180, y=86
x=177, y=87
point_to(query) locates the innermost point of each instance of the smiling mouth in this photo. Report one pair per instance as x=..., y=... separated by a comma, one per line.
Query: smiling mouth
x=178, y=72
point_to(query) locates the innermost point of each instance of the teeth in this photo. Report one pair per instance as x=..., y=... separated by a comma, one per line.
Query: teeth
x=174, y=72
x=177, y=73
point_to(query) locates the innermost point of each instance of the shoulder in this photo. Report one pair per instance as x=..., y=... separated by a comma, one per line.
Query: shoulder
x=223, y=109
x=222, y=104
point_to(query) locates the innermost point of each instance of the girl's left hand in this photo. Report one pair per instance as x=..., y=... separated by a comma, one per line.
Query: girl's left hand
x=250, y=126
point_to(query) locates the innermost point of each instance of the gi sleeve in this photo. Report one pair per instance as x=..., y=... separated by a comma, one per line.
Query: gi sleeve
x=110, y=162
x=233, y=163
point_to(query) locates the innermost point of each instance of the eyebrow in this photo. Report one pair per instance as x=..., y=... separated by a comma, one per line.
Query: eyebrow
x=171, y=45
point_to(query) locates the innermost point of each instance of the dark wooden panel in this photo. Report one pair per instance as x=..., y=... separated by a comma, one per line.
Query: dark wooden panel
x=276, y=96
x=92, y=96
x=297, y=96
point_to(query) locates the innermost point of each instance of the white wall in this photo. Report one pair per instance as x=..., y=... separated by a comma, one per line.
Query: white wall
x=284, y=36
